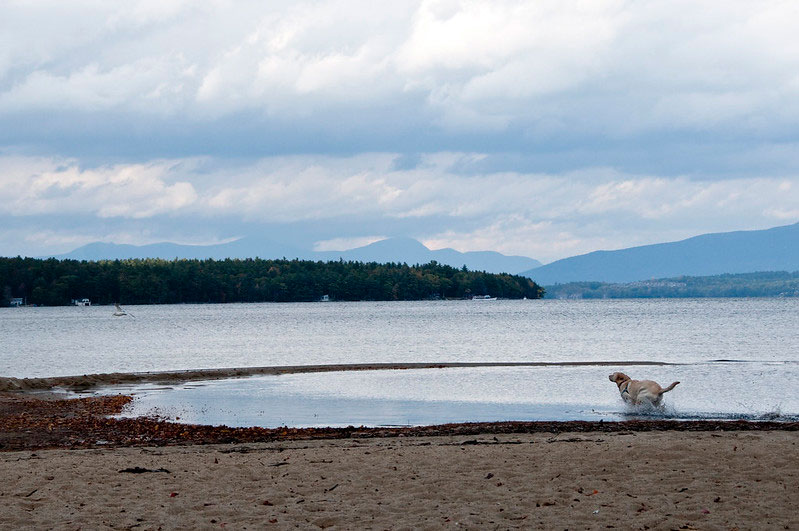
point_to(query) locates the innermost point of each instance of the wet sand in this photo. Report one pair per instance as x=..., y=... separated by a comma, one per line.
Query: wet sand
x=47, y=420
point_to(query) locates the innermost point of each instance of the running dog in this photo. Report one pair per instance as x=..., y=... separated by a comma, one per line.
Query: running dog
x=638, y=391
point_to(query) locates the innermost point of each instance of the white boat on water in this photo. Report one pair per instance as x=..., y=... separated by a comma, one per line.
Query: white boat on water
x=483, y=298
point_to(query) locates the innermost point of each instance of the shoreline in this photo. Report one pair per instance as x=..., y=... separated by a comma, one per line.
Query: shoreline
x=29, y=422
x=66, y=464
x=87, y=381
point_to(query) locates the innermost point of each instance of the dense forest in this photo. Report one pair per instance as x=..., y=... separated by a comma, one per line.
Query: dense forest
x=54, y=282
x=763, y=284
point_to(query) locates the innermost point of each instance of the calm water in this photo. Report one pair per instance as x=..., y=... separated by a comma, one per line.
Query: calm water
x=761, y=333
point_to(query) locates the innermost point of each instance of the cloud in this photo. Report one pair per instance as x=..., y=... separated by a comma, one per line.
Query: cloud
x=343, y=244
x=533, y=127
x=546, y=216
x=140, y=86
x=41, y=186
x=494, y=68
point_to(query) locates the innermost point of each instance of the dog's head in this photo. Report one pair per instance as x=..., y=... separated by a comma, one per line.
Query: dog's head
x=618, y=378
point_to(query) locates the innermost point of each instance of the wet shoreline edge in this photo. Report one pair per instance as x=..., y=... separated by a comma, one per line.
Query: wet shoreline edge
x=88, y=381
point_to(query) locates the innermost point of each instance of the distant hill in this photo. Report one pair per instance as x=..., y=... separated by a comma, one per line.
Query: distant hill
x=774, y=249
x=400, y=250
x=761, y=284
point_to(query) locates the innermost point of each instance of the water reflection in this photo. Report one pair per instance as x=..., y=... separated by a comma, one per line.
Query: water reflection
x=437, y=396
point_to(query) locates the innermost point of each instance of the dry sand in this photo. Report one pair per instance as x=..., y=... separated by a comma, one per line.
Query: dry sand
x=623, y=480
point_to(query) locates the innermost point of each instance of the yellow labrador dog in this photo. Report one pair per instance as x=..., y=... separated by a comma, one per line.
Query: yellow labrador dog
x=637, y=391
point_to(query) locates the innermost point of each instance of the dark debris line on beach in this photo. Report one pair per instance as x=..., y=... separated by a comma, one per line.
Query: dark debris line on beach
x=28, y=423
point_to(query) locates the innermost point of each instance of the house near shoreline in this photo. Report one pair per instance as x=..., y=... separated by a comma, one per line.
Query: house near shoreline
x=81, y=302
x=16, y=302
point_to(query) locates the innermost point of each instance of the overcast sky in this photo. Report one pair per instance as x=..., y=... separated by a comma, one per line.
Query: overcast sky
x=539, y=128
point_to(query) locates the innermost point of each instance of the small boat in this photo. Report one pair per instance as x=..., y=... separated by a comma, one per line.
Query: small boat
x=483, y=298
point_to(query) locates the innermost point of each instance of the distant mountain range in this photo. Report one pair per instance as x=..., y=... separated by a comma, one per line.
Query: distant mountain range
x=400, y=250
x=774, y=249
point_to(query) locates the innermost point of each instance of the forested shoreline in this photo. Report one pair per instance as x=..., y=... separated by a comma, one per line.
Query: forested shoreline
x=52, y=282
x=761, y=284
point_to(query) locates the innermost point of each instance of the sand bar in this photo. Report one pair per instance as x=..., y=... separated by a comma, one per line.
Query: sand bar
x=86, y=381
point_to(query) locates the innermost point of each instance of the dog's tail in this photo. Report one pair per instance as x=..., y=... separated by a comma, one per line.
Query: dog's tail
x=669, y=388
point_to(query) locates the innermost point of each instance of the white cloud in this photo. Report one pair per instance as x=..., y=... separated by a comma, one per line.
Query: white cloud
x=546, y=66
x=543, y=240
x=42, y=186
x=344, y=244
x=546, y=216
x=142, y=86
x=532, y=80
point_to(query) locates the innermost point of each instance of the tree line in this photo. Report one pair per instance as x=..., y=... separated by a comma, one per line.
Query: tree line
x=761, y=284
x=52, y=282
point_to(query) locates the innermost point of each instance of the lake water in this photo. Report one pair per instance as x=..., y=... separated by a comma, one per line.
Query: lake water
x=758, y=334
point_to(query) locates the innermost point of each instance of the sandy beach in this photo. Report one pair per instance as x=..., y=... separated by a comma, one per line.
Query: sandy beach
x=622, y=480
x=66, y=464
